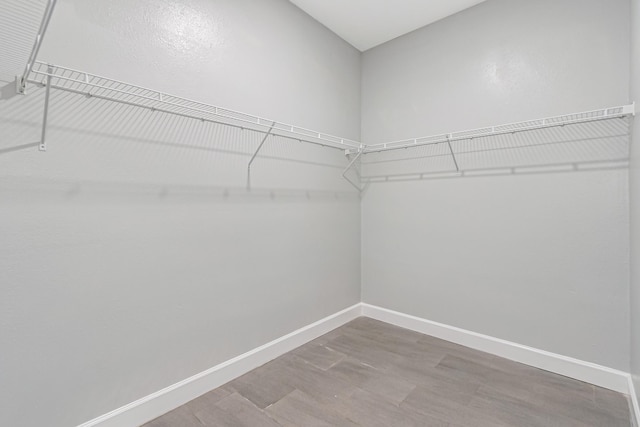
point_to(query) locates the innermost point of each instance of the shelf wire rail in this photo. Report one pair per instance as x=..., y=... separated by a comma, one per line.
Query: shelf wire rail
x=93, y=86
x=511, y=128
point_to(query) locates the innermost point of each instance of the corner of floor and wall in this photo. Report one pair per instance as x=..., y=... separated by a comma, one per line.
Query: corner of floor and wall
x=539, y=259
x=135, y=265
x=133, y=257
x=511, y=257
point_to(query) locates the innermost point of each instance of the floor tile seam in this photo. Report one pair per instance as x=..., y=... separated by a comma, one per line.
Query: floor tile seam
x=268, y=414
x=294, y=389
x=200, y=420
x=190, y=411
x=332, y=365
x=252, y=404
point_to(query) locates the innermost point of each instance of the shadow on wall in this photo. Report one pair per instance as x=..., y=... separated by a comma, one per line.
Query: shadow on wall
x=579, y=147
x=91, y=191
x=8, y=91
x=155, y=154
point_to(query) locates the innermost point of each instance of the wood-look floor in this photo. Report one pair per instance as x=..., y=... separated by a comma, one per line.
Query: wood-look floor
x=368, y=373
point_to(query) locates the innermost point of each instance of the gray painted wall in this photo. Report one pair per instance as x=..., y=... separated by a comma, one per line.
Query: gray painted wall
x=635, y=197
x=124, y=268
x=134, y=258
x=539, y=259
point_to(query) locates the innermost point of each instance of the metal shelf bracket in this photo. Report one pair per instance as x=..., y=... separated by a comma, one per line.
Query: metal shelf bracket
x=350, y=165
x=47, y=95
x=21, y=81
x=266, y=135
x=455, y=162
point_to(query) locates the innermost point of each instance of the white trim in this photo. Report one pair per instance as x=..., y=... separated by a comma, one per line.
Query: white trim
x=158, y=403
x=633, y=398
x=573, y=368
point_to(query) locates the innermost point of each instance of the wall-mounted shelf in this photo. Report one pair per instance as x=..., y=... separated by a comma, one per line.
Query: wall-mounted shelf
x=94, y=86
x=483, y=136
x=510, y=128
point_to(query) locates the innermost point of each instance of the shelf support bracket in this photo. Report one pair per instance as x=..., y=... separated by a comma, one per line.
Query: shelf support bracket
x=256, y=153
x=21, y=81
x=349, y=166
x=47, y=95
x=453, y=156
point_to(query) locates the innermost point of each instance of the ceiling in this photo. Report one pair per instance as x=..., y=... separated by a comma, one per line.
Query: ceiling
x=368, y=23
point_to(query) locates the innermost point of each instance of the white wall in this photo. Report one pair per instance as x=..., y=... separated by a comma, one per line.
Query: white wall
x=635, y=197
x=132, y=257
x=540, y=259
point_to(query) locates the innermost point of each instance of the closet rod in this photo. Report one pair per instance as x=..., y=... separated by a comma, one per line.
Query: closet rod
x=511, y=128
x=93, y=86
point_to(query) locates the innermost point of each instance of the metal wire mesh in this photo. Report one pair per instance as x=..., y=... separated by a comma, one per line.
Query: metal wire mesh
x=530, y=125
x=95, y=86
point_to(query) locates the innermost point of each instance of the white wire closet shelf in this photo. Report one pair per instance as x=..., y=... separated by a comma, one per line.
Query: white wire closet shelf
x=93, y=86
x=529, y=125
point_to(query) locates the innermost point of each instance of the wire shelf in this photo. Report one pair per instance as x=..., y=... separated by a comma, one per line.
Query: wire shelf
x=529, y=125
x=595, y=144
x=93, y=86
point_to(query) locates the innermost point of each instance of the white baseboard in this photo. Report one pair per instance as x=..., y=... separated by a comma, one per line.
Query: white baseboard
x=573, y=368
x=633, y=400
x=158, y=403
x=165, y=400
